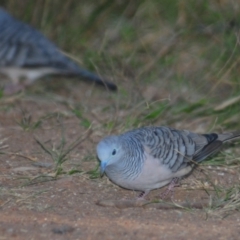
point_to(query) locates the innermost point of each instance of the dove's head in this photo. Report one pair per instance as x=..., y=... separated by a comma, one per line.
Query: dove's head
x=109, y=152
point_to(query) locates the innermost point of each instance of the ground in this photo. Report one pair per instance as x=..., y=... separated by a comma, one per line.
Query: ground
x=75, y=203
x=176, y=63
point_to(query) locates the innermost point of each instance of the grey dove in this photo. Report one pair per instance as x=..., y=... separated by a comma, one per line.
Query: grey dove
x=151, y=157
x=27, y=53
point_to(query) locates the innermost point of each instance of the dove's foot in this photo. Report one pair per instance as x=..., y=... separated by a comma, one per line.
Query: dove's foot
x=142, y=195
x=170, y=189
x=10, y=89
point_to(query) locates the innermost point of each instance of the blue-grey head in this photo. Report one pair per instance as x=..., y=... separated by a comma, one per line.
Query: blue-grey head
x=110, y=152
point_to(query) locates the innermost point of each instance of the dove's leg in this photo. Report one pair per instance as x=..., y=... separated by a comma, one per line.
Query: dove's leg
x=21, y=78
x=11, y=81
x=10, y=89
x=170, y=188
x=142, y=195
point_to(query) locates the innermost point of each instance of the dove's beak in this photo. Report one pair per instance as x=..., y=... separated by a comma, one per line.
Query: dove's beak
x=103, y=167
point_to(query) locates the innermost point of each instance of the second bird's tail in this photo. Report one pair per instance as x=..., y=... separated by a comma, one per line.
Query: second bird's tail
x=94, y=78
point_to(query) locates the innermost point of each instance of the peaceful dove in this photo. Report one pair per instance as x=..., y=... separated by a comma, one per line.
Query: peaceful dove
x=148, y=158
x=27, y=53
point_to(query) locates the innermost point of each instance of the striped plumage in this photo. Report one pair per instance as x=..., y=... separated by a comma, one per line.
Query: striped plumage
x=150, y=157
x=25, y=52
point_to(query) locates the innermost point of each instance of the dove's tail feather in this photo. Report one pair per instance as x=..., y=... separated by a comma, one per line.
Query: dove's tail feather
x=215, y=141
x=94, y=78
x=228, y=136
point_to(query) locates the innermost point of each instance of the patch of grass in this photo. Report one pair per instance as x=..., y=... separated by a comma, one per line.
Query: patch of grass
x=155, y=112
x=80, y=115
x=60, y=153
x=19, y=196
x=226, y=202
x=95, y=173
x=26, y=122
x=89, y=157
x=192, y=107
x=1, y=93
x=228, y=117
x=225, y=158
x=218, y=160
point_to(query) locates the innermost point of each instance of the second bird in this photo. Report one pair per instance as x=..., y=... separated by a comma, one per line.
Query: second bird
x=27, y=53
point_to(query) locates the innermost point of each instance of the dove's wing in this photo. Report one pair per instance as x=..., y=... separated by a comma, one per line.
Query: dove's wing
x=177, y=149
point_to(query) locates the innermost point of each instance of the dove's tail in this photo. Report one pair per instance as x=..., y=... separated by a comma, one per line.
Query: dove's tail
x=215, y=142
x=228, y=136
x=94, y=78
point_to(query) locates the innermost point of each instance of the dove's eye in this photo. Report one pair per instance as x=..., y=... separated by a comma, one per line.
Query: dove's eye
x=114, y=152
